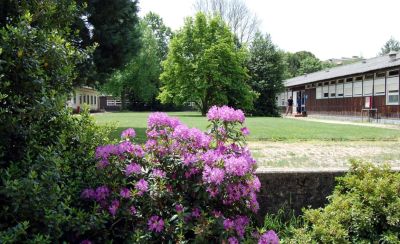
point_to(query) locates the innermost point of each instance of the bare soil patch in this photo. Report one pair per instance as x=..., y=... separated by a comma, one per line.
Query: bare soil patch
x=323, y=154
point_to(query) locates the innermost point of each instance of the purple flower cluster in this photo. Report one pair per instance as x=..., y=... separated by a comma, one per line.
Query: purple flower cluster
x=237, y=166
x=128, y=133
x=193, y=137
x=213, y=175
x=114, y=207
x=158, y=173
x=226, y=114
x=269, y=237
x=142, y=186
x=237, y=224
x=133, y=168
x=160, y=120
x=125, y=192
x=98, y=194
x=156, y=223
x=200, y=175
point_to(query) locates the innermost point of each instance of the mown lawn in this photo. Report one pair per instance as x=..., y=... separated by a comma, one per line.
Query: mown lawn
x=261, y=128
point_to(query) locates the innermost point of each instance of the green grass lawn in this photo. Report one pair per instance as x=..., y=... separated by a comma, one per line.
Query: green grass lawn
x=261, y=128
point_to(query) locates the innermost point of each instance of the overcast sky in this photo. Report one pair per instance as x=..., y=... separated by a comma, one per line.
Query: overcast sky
x=327, y=28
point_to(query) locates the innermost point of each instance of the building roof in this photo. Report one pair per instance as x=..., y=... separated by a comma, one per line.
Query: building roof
x=381, y=62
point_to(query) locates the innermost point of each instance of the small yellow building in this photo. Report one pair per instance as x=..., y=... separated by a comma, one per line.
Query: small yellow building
x=84, y=95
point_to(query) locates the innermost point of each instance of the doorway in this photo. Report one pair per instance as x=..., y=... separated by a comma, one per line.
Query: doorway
x=299, y=100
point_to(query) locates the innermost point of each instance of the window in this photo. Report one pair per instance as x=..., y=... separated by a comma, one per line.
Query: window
x=95, y=100
x=91, y=100
x=87, y=99
x=348, y=88
x=393, y=73
x=325, y=90
x=74, y=99
x=80, y=99
x=392, y=90
x=332, y=89
x=339, y=88
x=84, y=98
x=318, y=92
x=357, y=87
x=367, y=85
x=379, y=84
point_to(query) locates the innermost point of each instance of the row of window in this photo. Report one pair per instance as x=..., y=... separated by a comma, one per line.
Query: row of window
x=89, y=99
x=365, y=85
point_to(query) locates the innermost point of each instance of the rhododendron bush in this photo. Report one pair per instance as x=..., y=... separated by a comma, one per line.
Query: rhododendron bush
x=182, y=184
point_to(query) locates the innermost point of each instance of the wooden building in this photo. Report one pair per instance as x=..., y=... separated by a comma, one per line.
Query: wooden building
x=84, y=95
x=369, y=87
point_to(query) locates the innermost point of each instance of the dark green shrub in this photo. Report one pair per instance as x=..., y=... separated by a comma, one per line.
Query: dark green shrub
x=364, y=208
x=42, y=192
x=46, y=154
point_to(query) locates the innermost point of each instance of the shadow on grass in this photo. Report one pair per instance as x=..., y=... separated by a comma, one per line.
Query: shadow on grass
x=190, y=116
x=140, y=134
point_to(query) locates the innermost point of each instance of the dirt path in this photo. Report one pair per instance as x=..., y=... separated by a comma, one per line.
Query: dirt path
x=323, y=155
x=331, y=121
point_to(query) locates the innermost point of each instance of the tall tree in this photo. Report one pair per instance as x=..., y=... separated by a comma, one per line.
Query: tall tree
x=266, y=69
x=391, y=45
x=205, y=67
x=240, y=19
x=139, y=79
x=302, y=62
x=114, y=27
x=161, y=32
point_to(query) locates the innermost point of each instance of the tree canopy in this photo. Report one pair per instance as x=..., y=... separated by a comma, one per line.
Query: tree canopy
x=139, y=79
x=204, y=66
x=302, y=62
x=114, y=27
x=266, y=74
x=391, y=45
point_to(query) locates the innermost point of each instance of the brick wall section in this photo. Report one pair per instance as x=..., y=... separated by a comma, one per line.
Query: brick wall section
x=294, y=189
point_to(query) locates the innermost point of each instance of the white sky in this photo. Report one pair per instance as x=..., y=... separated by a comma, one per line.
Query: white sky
x=327, y=28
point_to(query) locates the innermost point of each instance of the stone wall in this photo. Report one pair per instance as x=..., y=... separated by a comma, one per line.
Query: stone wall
x=294, y=189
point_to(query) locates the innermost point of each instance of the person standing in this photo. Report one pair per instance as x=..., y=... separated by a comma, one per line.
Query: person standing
x=289, y=107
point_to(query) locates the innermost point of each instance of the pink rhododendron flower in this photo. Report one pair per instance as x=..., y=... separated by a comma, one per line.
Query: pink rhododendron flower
x=142, y=186
x=102, y=193
x=237, y=166
x=162, y=120
x=213, y=175
x=128, y=133
x=158, y=173
x=178, y=208
x=245, y=131
x=196, y=212
x=226, y=114
x=233, y=240
x=88, y=193
x=156, y=223
x=269, y=237
x=125, y=192
x=133, y=168
x=114, y=207
x=132, y=210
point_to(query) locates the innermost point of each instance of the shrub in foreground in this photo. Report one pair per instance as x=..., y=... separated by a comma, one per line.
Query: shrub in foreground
x=40, y=195
x=182, y=185
x=364, y=208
